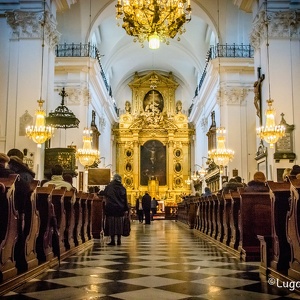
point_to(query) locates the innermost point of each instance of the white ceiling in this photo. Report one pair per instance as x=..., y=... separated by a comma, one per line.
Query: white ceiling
x=122, y=57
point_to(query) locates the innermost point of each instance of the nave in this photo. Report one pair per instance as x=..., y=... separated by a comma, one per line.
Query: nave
x=164, y=260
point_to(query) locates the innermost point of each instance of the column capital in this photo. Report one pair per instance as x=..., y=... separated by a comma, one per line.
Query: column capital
x=28, y=25
x=281, y=24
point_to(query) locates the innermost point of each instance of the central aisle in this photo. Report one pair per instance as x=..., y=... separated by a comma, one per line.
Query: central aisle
x=162, y=261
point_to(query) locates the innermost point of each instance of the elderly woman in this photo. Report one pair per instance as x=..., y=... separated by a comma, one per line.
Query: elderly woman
x=115, y=207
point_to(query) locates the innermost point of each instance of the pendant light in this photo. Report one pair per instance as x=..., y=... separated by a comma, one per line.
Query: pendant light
x=86, y=155
x=221, y=156
x=271, y=132
x=40, y=132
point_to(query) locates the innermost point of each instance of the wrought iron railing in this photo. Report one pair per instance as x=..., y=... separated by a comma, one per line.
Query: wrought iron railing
x=231, y=51
x=83, y=50
x=236, y=51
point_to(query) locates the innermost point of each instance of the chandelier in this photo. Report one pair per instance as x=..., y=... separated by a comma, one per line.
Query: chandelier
x=86, y=155
x=39, y=132
x=62, y=117
x=221, y=156
x=271, y=133
x=188, y=181
x=154, y=20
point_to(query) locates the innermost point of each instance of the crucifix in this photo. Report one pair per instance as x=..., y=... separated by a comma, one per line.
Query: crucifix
x=257, y=94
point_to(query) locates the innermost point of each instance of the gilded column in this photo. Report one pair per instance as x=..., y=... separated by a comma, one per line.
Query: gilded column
x=170, y=161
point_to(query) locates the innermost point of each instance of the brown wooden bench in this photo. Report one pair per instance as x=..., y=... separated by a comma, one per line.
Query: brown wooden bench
x=254, y=220
x=8, y=227
x=293, y=224
x=280, y=251
x=45, y=208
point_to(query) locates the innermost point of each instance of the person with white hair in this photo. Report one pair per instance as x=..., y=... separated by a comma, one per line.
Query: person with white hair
x=114, y=208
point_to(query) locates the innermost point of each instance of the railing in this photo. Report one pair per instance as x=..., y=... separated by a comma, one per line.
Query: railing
x=231, y=51
x=236, y=51
x=83, y=50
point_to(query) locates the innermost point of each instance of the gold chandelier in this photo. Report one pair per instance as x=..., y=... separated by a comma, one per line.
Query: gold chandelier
x=86, y=155
x=39, y=132
x=154, y=20
x=221, y=156
x=188, y=181
x=271, y=133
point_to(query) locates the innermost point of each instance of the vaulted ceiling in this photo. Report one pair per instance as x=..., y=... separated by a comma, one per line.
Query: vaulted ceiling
x=122, y=57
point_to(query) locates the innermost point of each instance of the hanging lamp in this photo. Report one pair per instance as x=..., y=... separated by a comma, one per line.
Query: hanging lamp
x=62, y=117
x=39, y=132
x=86, y=155
x=221, y=156
x=271, y=132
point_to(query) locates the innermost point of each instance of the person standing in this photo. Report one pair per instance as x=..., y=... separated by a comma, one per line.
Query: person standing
x=139, y=209
x=146, y=202
x=115, y=208
x=154, y=204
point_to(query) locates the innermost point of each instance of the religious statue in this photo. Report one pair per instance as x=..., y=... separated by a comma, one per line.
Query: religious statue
x=178, y=107
x=257, y=93
x=127, y=107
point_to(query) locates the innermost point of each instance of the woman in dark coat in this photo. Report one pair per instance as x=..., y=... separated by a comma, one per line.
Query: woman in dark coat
x=115, y=207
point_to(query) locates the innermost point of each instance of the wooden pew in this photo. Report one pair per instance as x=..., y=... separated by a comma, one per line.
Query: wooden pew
x=8, y=227
x=45, y=208
x=201, y=220
x=60, y=214
x=205, y=215
x=97, y=218
x=83, y=230
x=293, y=221
x=31, y=229
x=254, y=220
x=280, y=252
x=90, y=200
x=220, y=217
x=215, y=216
x=210, y=208
x=77, y=220
x=192, y=213
x=226, y=219
x=234, y=222
x=69, y=201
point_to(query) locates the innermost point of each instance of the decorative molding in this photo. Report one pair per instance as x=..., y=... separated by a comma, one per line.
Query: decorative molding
x=27, y=25
x=78, y=96
x=245, y=5
x=204, y=124
x=62, y=5
x=232, y=95
x=284, y=25
x=25, y=120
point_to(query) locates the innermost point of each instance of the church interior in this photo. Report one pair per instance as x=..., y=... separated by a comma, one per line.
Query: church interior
x=180, y=98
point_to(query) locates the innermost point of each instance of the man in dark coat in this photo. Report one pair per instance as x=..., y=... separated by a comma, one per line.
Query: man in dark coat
x=146, y=202
x=115, y=207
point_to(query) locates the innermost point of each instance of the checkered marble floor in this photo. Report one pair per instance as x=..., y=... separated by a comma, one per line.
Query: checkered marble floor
x=159, y=261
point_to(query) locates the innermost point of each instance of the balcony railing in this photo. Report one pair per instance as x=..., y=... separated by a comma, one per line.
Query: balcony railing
x=235, y=51
x=83, y=50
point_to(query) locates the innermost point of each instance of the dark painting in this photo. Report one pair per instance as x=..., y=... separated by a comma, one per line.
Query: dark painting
x=153, y=162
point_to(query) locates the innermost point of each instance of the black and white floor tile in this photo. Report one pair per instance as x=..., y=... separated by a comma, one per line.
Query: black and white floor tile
x=159, y=261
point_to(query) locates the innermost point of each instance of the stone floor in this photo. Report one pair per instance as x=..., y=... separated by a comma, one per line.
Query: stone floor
x=163, y=261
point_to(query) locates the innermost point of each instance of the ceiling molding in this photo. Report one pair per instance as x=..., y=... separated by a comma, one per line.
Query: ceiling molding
x=62, y=5
x=245, y=5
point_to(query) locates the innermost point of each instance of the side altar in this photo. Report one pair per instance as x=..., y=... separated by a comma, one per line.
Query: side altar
x=153, y=140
